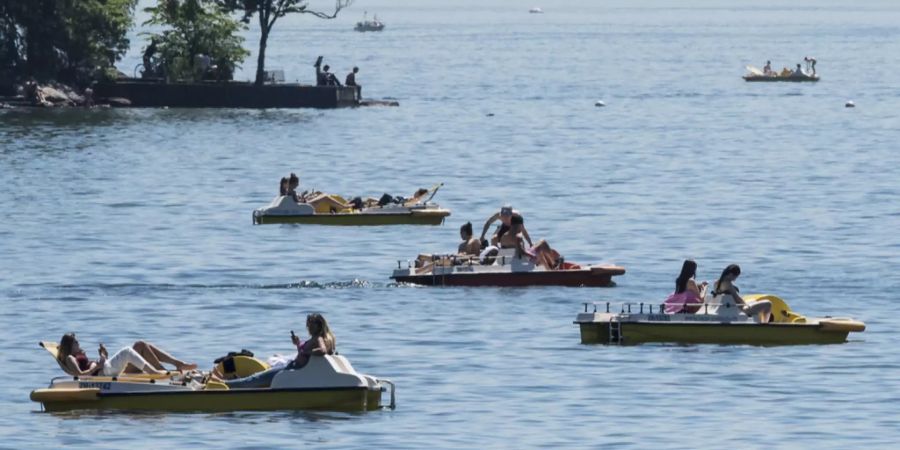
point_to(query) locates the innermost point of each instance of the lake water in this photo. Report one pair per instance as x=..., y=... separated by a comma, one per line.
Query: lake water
x=136, y=224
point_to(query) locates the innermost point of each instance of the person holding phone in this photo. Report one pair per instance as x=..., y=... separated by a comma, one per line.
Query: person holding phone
x=321, y=342
x=143, y=356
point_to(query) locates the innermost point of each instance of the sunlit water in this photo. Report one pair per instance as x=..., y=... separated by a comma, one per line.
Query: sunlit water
x=128, y=224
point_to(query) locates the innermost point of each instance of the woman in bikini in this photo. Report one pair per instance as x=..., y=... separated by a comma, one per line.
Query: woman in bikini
x=142, y=356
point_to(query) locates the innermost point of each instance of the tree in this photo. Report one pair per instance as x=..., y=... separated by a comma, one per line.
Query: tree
x=65, y=39
x=195, y=28
x=268, y=12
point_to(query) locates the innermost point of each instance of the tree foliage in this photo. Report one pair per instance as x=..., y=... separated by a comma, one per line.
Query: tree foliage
x=69, y=40
x=193, y=28
x=268, y=12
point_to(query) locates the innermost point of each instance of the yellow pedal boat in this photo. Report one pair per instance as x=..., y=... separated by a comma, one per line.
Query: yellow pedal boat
x=325, y=383
x=639, y=323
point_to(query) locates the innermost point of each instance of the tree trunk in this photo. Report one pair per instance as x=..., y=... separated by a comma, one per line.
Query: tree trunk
x=261, y=58
x=264, y=28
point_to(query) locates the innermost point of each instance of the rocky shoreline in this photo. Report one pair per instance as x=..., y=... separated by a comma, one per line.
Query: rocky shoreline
x=54, y=95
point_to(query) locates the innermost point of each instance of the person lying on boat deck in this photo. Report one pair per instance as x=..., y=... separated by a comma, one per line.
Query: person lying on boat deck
x=416, y=197
x=142, y=356
x=798, y=72
x=321, y=342
x=687, y=297
x=284, y=186
x=767, y=69
x=469, y=245
x=726, y=295
x=505, y=215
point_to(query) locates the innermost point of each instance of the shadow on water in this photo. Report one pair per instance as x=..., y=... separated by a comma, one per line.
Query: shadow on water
x=19, y=122
x=234, y=417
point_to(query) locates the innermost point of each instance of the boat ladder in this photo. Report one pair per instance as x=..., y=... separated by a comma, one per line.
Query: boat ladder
x=615, y=331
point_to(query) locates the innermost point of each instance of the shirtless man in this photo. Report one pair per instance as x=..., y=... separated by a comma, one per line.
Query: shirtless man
x=505, y=216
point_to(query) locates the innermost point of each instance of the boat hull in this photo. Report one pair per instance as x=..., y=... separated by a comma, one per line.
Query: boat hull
x=713, y=333
x=569, y=278
x=423, y=218
x=791, y=79
x=330, y=399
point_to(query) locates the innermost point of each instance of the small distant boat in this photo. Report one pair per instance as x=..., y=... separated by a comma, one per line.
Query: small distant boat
x=536, y=10
x=639, y=323
x=757, y=75
x=369, y=25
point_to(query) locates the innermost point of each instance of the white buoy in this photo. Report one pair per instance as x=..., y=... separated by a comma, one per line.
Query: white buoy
x=849, y=104
x=600, y=103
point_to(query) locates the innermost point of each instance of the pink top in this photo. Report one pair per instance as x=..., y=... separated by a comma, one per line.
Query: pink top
x=685, y=302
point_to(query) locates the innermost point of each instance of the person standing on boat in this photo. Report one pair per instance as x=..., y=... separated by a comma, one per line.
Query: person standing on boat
x=810, y=64
x=321, y=342
x=688, y=296
x=505, y=216
x=727, y=299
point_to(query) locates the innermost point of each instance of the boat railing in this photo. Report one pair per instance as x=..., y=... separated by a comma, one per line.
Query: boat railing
x=454, y=260
x=390, y=383
x=626, y=307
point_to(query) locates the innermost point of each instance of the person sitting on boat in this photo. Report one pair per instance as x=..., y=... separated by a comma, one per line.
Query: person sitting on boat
x=469, y=246
x=505, y=216
x=767, y=69
x=798, y=72
x=688, y=296
x=143, y=356
x=321, y=342
x=541, y=254
x=293, y=184
x=728, y=301
x=284, y=187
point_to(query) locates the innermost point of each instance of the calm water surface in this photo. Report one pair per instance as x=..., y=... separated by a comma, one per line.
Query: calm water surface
x=128, y=224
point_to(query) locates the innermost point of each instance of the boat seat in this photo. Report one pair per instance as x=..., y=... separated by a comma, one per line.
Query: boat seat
x=781, y=312
x=240, y=366
x=320, y=371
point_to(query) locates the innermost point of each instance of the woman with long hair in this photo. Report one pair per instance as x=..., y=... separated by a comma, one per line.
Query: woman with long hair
x=688, y=296
x=727, y=298
x=143, y=356
x=321, y=342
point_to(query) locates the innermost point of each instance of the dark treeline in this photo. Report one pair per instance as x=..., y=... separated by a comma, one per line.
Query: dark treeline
x=80, y=41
